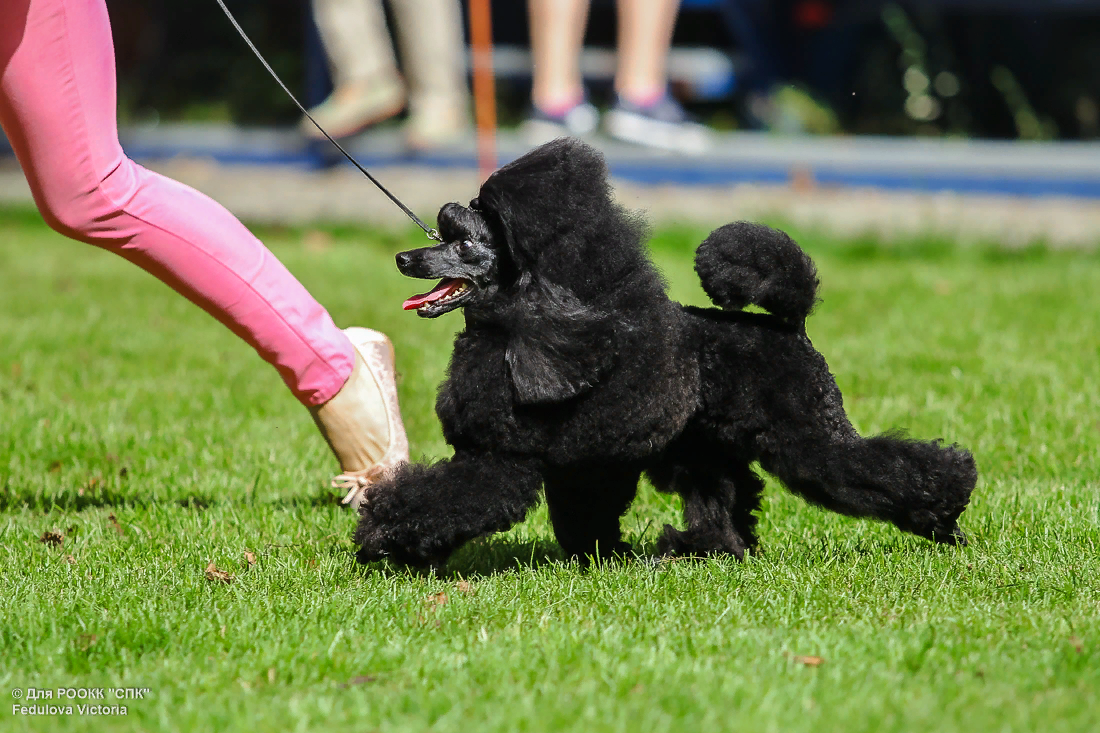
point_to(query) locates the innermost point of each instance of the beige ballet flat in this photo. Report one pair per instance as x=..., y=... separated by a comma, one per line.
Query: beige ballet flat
x=362, y=423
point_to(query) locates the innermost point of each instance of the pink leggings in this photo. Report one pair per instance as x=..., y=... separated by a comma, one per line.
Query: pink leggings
x=57, y=107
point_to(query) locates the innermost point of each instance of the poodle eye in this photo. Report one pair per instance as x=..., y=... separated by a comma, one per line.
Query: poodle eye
x=465, y=246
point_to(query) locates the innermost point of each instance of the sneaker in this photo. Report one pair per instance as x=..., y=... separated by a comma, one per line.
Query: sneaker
x=541, y=127
x=663, y=124
x=354, y=107
x=362, y=422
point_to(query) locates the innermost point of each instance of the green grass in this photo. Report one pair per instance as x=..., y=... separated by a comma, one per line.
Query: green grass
x=118, y=398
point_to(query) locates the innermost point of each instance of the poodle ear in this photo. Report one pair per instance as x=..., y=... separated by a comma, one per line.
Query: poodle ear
x=559, y=347
x=558, y=191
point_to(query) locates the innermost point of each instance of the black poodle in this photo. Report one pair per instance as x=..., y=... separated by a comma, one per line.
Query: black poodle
x=576, y=373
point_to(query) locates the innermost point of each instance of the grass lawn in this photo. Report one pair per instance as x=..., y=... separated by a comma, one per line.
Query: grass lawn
x=156, y=443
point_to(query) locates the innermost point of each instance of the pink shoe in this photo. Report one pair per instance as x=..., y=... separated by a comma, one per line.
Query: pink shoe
x=362, y=423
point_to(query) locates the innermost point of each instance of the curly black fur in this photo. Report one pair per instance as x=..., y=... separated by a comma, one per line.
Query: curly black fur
x=576, y=373
x=744, y=264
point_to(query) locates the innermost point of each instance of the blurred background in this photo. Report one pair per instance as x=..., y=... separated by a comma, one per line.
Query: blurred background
x=987, y=98
x=1008, y=69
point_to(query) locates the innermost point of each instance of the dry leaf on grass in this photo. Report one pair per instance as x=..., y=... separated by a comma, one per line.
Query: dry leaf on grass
x=250, y=557
x=118, y=527
x=1077, y=645
x=809, y=661
x=52, y=537
x=86, y=641
x=214, y=575
x=437, y=599
x=359, y=680
x=463, y=586
x=70, y=559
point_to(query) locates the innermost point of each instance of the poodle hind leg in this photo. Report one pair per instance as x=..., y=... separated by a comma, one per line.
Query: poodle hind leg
x=921, y=487
x=585, y=505
x=718, y=509
x=748, y=488
x=423, y=513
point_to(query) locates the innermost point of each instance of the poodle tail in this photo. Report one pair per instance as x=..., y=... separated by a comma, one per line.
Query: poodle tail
x=744, y=264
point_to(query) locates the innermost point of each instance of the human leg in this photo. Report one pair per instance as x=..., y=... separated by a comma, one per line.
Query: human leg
x=57, y=107
x=557, y=32
x=367, y=87
x=644, y=112
x=645, y=34
x=557, y=90
x=430, y=32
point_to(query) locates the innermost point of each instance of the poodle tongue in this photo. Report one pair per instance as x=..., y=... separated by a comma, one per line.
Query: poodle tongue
x=443, y=289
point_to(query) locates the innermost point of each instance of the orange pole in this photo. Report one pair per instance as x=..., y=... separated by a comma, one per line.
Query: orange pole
x=485, y=104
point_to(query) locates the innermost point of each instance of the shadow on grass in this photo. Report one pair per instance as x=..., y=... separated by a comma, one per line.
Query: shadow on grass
x=73, y=500
x=69, y=500
x=842, y=552
x=480, y=558
x=491, y=556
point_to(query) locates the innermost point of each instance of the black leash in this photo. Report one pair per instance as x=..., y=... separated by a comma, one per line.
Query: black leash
x=432, y=233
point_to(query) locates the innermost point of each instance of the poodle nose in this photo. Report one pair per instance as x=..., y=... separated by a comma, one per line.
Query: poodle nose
x=404, y=260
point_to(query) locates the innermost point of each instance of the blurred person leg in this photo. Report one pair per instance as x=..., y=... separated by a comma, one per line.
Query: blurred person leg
x=57, y=108
x=645, y=35
x=432, y=55
x=644, y=112
x=367, y=87
x=558, y=101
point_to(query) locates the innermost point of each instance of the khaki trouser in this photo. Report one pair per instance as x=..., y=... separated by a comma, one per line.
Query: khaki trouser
x=430, y=33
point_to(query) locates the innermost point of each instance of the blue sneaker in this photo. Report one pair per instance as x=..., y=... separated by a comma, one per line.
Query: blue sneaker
x=541, y=127
x=663, y=124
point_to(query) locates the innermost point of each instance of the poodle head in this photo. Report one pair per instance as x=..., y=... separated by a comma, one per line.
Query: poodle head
x=468, y=265
x=547, y=217
x=545, y=254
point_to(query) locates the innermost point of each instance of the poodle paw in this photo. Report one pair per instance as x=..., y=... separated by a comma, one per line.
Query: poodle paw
x=670, y=542
x=687, y=544
x=378, y=542
x=369, y=537
x=939, y=533
x=367, y=555
x=956, y=537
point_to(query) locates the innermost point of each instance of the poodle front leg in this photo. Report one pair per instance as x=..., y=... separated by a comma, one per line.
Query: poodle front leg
x=585, y=505
x=423, y=513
